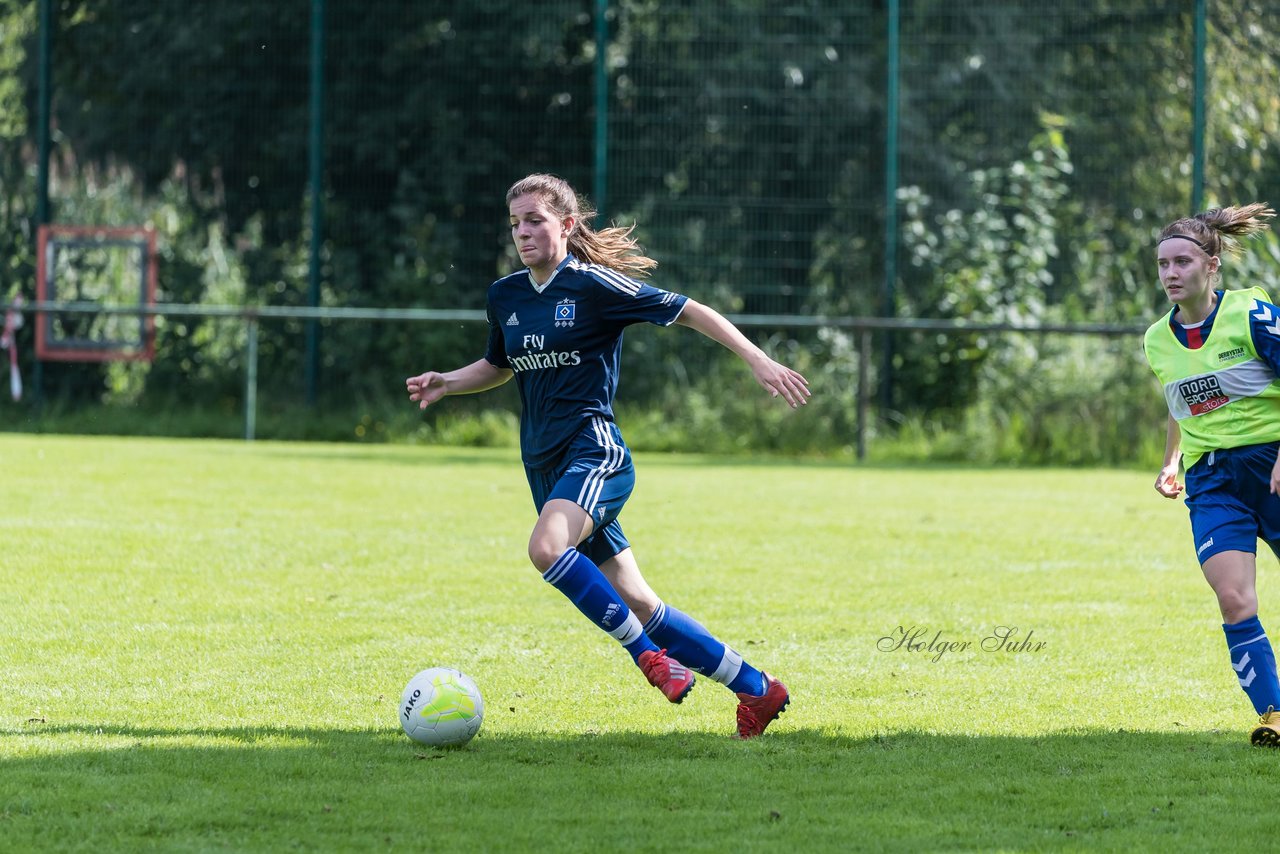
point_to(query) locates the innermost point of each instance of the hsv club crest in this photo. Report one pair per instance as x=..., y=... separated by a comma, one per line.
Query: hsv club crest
x=564, y=312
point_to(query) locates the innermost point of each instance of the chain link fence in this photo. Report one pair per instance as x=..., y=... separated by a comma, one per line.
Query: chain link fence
x=982, y=161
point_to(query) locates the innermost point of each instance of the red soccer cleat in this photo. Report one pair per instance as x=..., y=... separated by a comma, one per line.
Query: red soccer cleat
x=666, y=674
x=756, y=713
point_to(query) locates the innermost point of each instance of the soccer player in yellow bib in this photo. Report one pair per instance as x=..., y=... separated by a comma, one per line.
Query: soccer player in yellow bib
x=1217, y=354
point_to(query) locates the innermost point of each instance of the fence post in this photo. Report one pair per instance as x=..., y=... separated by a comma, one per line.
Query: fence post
x=1198, y=124
x=864, y=374
x=44, y=99
x=890, y=202
x=251, y=379
x=602, y=110
x=316, y=172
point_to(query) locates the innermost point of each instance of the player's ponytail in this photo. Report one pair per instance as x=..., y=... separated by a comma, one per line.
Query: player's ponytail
x=1219, y=230
x=612, y=247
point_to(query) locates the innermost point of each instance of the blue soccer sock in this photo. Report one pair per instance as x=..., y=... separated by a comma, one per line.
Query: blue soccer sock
x=1254, y=663
x=688, y=642
x=574, y=575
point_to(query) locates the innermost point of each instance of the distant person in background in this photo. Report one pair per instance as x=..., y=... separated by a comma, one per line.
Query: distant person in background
x=557, y=326
x=1217, y=354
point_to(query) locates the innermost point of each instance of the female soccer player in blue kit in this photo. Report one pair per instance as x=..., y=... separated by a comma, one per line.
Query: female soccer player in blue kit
x=1217, y=354
x=557, y=328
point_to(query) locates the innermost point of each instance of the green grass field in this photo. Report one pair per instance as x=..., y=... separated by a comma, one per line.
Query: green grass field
x=204, y=643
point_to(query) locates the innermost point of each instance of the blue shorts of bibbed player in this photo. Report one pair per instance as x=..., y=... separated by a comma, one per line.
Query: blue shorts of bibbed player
x=1231, y=503
x=595, y=472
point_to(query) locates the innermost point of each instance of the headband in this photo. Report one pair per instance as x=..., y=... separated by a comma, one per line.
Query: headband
x=1182, y=237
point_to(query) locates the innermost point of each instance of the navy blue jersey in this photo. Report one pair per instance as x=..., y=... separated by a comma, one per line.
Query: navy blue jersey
x=564, y=343
x=1264, y=327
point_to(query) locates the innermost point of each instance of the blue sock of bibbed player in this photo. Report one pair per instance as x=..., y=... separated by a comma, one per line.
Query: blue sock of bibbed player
x=1254, y=663
x=574, y=575
x=688, y=642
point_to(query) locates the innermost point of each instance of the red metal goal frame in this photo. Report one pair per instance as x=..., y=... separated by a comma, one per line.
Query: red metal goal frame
x=48, y=346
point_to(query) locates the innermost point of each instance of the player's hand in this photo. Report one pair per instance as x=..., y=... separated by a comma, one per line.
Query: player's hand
x=1275, y=478
x=426, y=388
x=778, y=379
x=1168, y=486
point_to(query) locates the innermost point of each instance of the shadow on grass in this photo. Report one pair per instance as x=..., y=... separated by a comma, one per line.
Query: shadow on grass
x=266, y=788
x=392, y=454
x=434, y=455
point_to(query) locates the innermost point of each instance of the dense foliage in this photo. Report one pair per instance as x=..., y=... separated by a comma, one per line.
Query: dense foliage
x=1039, y=151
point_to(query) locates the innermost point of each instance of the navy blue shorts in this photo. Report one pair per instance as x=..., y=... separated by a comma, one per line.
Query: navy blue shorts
x=1232, y=507
x=595, y=473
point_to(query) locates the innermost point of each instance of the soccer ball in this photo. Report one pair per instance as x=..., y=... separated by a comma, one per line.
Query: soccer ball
x=441, y=707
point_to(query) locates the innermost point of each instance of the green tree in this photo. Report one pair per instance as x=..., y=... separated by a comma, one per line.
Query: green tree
x=17, y=177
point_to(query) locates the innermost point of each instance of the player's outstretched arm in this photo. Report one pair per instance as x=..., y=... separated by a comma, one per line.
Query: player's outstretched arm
x=776, y=378
x=480, y=375
x=1167, y=480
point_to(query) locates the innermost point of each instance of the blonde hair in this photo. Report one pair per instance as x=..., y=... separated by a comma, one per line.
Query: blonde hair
x=611, y=247
x=1219, y=230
